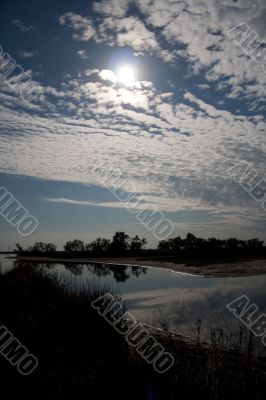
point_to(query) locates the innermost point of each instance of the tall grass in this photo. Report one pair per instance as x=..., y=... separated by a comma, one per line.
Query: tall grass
x=81, y=356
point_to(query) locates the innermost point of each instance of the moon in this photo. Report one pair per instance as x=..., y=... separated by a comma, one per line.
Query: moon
x=126, y=75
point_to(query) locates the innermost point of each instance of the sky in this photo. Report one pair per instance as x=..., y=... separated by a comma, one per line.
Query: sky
x=158, y=91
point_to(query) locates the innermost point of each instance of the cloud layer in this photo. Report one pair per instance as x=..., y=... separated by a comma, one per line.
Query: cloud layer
x=171, y=145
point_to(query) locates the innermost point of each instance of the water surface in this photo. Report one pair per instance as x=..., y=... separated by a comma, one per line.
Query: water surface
x=163, y=298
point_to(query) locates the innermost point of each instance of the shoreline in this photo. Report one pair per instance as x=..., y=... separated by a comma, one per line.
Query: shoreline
x=207, y=270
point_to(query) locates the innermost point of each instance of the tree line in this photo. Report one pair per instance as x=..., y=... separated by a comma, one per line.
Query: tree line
x=122, y=243
x=192, y=242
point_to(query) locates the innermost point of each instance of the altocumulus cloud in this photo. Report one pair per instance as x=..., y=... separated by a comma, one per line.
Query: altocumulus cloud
x=175, y=147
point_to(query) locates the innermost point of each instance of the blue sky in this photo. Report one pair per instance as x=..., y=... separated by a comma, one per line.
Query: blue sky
x=195, y=107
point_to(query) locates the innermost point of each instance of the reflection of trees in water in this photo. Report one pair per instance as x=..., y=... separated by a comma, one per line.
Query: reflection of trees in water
x=47, y=265
x=32, y=264
x=99, y=269
x=137, y=271
x=120, y=273
x=74, y=268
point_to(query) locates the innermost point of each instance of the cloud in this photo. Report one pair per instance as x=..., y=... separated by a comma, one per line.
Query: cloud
x=83, y=54
x=173, y=145
x=200, y=28
x=68, y=201
x=23, y=28
x=129, y=31
x=183, y=305
x=112, y=30
x=175, y=152
x=27, y=54
x=115, y=8
x=82, y=26
x=203, y=86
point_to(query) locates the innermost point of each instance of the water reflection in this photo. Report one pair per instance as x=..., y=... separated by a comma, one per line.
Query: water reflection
x=6, y=263
x=162, y=298
x=119, y=273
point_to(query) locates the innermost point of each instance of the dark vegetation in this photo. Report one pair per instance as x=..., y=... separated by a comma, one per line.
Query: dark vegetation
x=199, y=250
x=120, y=244
x=189, y=249
x=82, y=357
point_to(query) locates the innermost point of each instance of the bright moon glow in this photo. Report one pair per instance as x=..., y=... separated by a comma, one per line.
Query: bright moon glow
x=126, y=75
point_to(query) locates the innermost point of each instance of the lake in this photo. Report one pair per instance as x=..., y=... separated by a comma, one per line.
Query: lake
x=160, y=297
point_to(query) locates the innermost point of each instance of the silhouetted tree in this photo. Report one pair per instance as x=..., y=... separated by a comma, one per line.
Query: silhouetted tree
x=38, y=247
x=120, y=242
x=18, y=248
x=190, y=241
x=254, y=243
x=100, y=245
x=43, y=247
x=136, y=243
x=172, y=244
x=213, y=243
x=201, y=243
x=50, y=247
x=165, y=245
x=177, y=243
x=75, y=245
x=232, y=243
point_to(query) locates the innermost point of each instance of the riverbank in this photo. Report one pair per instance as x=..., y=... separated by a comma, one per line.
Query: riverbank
x=208, y=269
x=82, y=356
